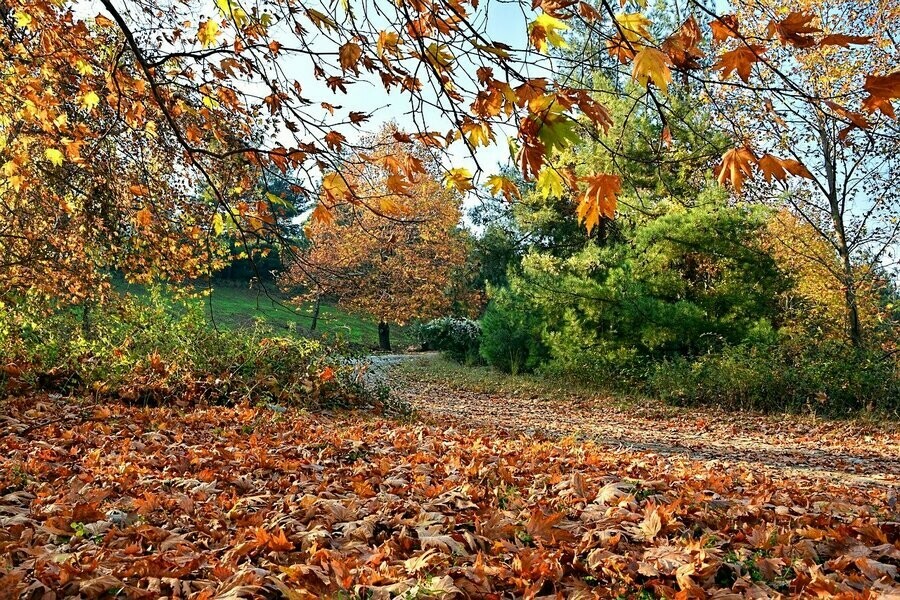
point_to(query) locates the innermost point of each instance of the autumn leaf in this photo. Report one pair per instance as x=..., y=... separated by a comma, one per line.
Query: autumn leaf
x=682, y=46
x=90, y=100
x=387, y=43
x=208, y=32
x=882, y=90
x=498, y=184
x=724, y=27
x=335, y=187
x=737, y=165
x=335, y=140
x=740, y=60
x=218, y=225
x=634, y=26
x=54, y=156
x=599, y=199
x=651, y=525
x=22, y=19
x=545, y=30
x=549, y=183
x=459, y=179
x=795, y=29
x=649, y=65
x=143, y=217
x=478, y=134
x=349, y=55
x=839, y=39
x=321, y=214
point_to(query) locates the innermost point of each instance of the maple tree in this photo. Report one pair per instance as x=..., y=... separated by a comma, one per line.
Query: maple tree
x=393, y=247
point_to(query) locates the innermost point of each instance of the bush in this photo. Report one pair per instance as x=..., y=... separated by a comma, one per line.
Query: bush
x=155, y=349
x=829, y=378
x=459, y=339
x=510, y=336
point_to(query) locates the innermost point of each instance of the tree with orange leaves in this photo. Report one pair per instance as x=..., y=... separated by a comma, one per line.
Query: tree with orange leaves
x=393, y=249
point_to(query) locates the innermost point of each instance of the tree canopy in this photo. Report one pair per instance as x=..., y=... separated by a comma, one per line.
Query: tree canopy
x=113, y=122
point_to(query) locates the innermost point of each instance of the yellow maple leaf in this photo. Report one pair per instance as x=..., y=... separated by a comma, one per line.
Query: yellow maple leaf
x=54, y=156
x=652, y=65
x=549, y=183
x=459, y=179
x=23, y=19
x=478, y=134
x=634, y=26
x=208, y=32
x=335, y=187
x=90, y=100
x=545, y=30
x=498, y=184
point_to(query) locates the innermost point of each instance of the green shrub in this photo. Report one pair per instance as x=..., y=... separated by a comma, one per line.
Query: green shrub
x=458, y=338
x=510, y=335
x=155, y=349
x=830, y=378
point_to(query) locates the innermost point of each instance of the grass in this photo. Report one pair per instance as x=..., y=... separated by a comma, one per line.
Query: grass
x=435, y=368
x=235, y=307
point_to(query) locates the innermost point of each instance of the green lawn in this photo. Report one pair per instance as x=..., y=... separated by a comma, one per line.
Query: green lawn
x=233, y=307
x=239, y=307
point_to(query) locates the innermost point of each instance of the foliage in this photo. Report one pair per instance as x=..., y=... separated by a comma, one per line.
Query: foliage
x=458, y=338
x=394, y=257
x=511, y=334
x=681, y=283
x=828, y=377
x=135, y=139
x=159, y=349
x=844, y=151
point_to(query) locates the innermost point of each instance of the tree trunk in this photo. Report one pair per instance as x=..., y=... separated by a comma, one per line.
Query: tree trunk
x=384, y=336
x=836, y=206
x=86, y=319
x=315, y=315
x=853, y=326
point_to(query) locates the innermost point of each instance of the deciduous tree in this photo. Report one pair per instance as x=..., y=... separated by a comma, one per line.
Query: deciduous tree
x=392, y=249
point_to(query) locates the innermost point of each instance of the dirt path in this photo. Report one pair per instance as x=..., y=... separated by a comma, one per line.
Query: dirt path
x=831, y=450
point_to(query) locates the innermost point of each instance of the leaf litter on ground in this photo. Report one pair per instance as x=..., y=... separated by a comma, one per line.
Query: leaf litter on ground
x=244, y=502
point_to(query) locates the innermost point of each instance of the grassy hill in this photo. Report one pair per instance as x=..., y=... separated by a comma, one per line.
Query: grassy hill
x=239, y=307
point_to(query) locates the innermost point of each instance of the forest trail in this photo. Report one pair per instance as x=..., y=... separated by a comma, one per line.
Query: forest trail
x=831, y=450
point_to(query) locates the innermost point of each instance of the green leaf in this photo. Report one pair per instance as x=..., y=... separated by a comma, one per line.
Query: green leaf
x=558, y=133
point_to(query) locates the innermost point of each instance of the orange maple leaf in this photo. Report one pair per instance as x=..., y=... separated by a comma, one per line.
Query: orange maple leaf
x=599, y=199
x=737, y=165
x=839, y=39
x=724, y=27
x=794, y=30
x=681, y=46
x=740, y=60
x=882, y=89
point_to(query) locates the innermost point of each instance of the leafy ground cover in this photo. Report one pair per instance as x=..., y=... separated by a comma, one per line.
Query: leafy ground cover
x=859, y=450
x=240, y=502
